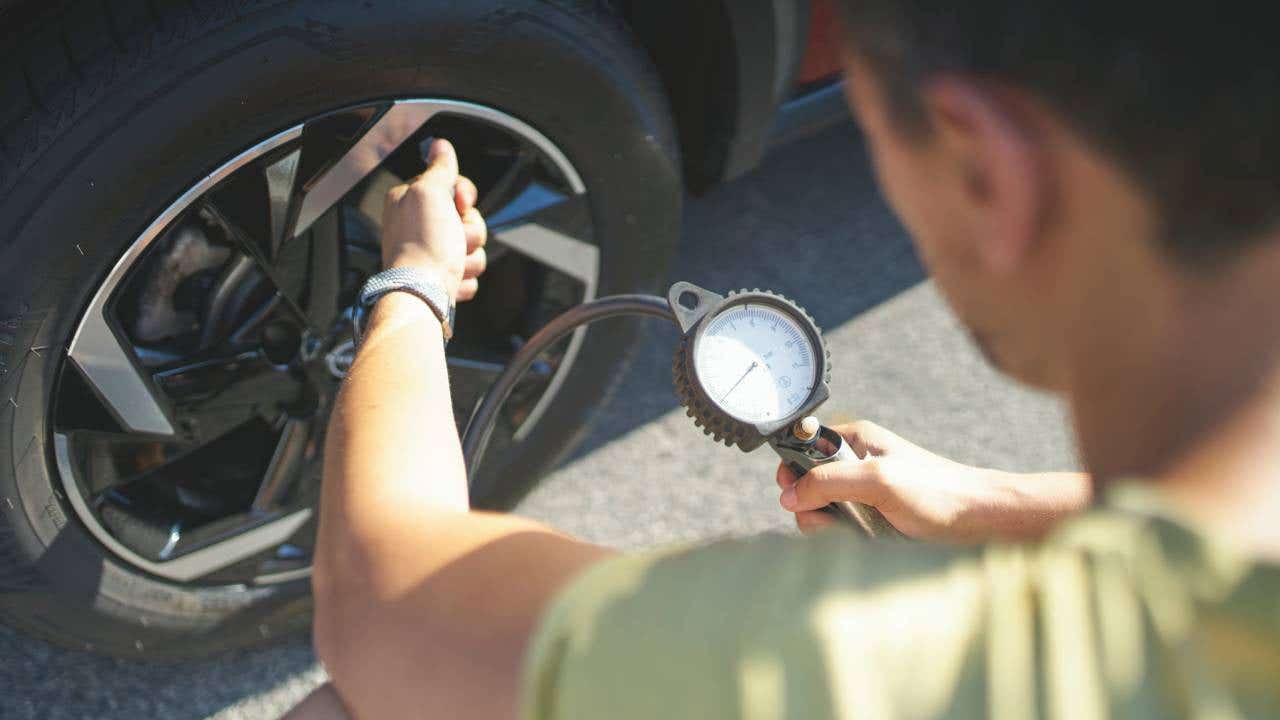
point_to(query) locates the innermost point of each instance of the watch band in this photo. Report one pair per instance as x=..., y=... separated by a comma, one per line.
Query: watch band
x=402, y=279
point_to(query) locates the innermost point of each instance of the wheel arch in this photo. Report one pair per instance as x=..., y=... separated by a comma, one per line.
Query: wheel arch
x=726, y=66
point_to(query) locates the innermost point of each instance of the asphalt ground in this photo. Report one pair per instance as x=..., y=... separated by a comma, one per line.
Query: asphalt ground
x=808, y=223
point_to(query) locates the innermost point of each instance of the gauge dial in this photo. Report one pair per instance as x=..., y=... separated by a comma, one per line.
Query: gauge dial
x=756, y=362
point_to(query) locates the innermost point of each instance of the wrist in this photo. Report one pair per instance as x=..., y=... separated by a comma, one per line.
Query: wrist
x=448, y=278
x=397, y=317
x=396, y=309
x=426, y=285
x=1027, y=505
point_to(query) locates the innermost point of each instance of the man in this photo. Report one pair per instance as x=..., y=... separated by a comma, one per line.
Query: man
x=1095, y=191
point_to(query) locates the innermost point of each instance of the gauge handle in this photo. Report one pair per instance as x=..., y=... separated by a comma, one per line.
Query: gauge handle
x=802, y=458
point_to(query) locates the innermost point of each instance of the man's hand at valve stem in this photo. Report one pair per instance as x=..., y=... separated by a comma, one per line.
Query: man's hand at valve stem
x=432, y=224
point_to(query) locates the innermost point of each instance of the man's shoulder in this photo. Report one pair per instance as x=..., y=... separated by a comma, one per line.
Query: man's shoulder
x=760, y=621
x=813, y=586
x=834, y=625
x=769, y=568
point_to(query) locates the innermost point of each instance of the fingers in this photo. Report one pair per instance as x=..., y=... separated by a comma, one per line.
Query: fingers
x=476, y=229
x=855, y=481
x=436, y=187
x=785, y=478
x=442, y=165
x=475, y=264
x=432, y=221
x=864, y=437
x=395, y=195
x=468, y=289
x=477, y=260
x=465, y=195
x=867, y=438
x=814, y=521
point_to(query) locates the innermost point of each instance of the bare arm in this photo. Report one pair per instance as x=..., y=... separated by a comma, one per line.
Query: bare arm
x=421, y=604
x=929, y=497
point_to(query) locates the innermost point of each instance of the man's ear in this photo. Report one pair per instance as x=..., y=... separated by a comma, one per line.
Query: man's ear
x=1001, y=166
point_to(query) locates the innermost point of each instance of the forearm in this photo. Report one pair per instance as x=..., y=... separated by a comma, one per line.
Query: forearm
x=414, y=593
x=392, y=454
x=422, y=606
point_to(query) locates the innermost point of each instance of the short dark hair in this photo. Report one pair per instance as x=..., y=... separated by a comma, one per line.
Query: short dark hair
x=1185, y=97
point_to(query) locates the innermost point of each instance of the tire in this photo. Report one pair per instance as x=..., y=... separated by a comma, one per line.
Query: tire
x=111, y=109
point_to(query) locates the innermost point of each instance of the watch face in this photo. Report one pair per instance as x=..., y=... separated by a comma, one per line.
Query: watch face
x=756, y=362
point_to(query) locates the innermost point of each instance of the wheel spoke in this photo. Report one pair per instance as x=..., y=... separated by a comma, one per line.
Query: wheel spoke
x=484, y=372
x=532, y=200
x=499, y=194
x=214, y=394
x=552, y=229
x=324, y=275
x=195, y=553
x=285, y=462
x=238, y=541
x=113, y=371
x=395, y=126
x=113, y=460
x=201, y=378
x=281, y=177
x=470, y=379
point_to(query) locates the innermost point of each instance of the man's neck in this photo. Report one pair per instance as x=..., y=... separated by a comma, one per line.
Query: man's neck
x=1230, y=481
x=1193, y=402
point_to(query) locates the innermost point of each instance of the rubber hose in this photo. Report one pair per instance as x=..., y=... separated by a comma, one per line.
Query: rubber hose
x=480, y=428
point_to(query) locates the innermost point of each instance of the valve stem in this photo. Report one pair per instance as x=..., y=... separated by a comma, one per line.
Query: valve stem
x=807, y=429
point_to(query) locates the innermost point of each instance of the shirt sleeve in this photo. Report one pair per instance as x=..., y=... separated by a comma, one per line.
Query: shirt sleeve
x=772, y=627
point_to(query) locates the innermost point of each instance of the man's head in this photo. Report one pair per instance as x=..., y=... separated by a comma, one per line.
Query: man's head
x=1082, y=179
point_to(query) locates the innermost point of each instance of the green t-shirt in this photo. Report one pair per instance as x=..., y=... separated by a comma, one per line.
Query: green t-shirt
x=1125, y=612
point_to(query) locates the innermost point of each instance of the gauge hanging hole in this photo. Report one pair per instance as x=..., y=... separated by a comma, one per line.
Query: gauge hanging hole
x=689, y=300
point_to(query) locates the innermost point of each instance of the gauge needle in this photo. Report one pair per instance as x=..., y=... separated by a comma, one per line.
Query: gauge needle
x=735, y=385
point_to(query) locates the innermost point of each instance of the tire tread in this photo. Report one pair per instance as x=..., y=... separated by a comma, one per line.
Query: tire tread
x=58, y=63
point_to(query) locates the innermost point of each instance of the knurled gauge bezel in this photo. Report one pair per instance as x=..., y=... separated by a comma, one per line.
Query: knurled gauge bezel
x=705, y=412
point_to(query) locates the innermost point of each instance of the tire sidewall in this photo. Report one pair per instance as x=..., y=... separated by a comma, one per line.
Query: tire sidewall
x=198, y=95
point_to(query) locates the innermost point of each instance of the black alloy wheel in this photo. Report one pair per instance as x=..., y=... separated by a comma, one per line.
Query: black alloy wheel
x=189, y=424
x=190, y=198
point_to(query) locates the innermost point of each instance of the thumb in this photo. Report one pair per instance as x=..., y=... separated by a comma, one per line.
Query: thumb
x=856, y=481
x=442, y=165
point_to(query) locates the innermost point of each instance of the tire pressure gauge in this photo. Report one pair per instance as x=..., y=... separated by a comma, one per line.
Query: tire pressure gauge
x=750, y=369
x=749, y=364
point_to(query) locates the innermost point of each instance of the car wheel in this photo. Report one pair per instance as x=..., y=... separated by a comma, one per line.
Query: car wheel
x=190, y=198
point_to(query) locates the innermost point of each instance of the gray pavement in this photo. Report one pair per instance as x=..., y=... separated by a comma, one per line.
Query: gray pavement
x=809, y=224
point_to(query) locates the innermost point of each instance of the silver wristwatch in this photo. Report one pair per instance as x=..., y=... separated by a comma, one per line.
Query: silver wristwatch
x=415, y=282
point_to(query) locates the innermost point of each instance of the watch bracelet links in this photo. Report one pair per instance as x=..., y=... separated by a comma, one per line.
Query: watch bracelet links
x=409, y=280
